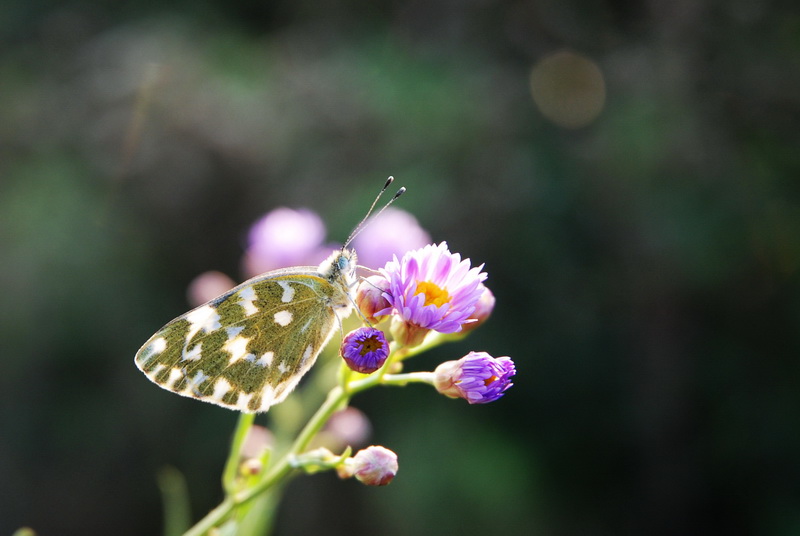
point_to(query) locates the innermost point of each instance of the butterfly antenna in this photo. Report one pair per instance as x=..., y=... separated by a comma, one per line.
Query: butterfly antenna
x=362, y=223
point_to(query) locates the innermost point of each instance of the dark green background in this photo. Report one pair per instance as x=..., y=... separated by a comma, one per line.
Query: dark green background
x=645, y=265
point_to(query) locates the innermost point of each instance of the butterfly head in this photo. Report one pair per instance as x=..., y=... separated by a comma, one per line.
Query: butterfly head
x=340, y=267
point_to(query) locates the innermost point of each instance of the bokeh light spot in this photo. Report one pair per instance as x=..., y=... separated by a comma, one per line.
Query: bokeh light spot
x=568, y=88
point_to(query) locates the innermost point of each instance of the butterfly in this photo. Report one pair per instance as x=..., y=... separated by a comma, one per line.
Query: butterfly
x=248, y=348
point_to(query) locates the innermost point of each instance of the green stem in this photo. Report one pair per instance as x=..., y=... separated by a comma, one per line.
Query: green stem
x=213, y=518
x=432, y=340
x=409, y=377
x=243, y=426
x=337, y=397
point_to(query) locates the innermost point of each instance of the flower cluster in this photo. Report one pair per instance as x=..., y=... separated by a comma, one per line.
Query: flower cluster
x=429, y=290
x=419, y=293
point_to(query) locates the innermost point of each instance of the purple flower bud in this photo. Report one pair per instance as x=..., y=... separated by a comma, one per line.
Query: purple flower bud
x=373, y=466
x=482, y=312
x=365, y=349
x=477, y=377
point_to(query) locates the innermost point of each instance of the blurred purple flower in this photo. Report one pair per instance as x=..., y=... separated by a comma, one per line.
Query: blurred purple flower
x=477, y=377
x=365, y=350
x=430, y=289
x=393, y=232
x=348, y=426
x=285, y=237
x=207, y=286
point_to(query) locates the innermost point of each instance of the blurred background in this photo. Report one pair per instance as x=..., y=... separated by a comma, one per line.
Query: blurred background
x=628, y=171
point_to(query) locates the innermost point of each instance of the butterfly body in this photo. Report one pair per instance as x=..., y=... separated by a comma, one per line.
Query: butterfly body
x=248, y=348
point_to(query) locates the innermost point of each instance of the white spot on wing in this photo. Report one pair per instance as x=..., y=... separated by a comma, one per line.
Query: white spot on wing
x=288, y=292
x=243, y=401
x=266, y=359
x=237, y=347
x=174, y=375
x=156, y=370
x=282, y=368
x=221, y=388
x=192, y=354
x=307, y=353
x=158, y=345
x=153, y=349
x=247, y=297
x=203, y=318
x=234, y=331
x=267, y=396
x=283, y=318
x=193, y=385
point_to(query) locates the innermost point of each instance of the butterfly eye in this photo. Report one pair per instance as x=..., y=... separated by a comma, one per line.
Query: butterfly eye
x=342, y=262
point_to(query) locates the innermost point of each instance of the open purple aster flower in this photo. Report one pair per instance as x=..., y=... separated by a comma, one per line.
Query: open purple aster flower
x=285, y=237
x=477, y=377
x=392, y=232
x=365, y=349
x=430, y=289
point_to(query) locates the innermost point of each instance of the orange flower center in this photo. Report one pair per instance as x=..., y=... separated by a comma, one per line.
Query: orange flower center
x=370, y=344
x=433, y=294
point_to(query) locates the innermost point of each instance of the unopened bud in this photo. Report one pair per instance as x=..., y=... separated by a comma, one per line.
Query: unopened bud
x=477, y=377
x=370, y=299
x=482, y=312
x=372, y=466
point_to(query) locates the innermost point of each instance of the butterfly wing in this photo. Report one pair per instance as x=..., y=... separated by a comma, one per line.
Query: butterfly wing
x=247, y=349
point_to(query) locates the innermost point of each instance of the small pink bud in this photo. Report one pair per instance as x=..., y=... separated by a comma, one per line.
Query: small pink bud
x=373, y=466
x=482, y=312
x=370, y=299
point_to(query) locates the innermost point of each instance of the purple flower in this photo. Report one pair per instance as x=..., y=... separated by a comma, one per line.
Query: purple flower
x=285, y=237
x=373, y=466
x=348, y=426
x=393, y=232
x=477, y=377
x=431, y=289
x=365, y=349
x=207, y=286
